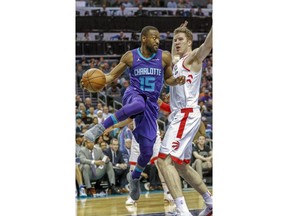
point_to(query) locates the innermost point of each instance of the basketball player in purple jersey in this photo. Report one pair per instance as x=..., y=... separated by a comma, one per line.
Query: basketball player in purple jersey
x=149, y=67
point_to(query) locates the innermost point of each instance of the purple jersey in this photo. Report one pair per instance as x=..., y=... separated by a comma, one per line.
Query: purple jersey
x=146, y=79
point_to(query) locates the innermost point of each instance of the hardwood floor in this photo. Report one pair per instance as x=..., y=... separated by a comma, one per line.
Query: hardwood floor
x=150, y=203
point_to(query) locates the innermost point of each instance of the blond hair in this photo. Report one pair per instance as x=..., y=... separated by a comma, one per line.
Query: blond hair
x=184, y=30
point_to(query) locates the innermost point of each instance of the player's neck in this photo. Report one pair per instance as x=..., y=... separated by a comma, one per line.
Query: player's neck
x=146, y=53
x=185, y=54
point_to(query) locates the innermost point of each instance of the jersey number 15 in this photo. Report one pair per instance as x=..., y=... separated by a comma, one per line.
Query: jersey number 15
x=147, y=83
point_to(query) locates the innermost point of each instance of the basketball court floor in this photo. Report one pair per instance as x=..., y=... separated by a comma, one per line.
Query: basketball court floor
x=150, y=203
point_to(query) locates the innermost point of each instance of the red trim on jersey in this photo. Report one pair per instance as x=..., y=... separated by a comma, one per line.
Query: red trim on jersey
x=178, y=161
x=175, y=159
x=162, y=155
x=132, y=163
x=165, y=107
x=153, y=159
x=184, y=65
x=186, y=112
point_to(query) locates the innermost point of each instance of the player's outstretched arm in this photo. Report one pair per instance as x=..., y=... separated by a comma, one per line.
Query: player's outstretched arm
x=202, y=52
x=125, y=61
x=168, y=76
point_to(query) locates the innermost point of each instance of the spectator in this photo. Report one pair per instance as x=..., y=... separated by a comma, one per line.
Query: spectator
x=188, y=4
x=122, y=12
x=117, y=3
x=210, y=4
x=134, y=36
x=81, y=108
x=206, y=96
x=127, y=3
x=104, y=11
x=88, y=103
x=119, y=165
x=120, y=36
x=78, y=100
x=90, y=112
x=79, y=73
x=203, y=156
x=146, y=3
x=124, y=134
x=181, y=4
x=113, y=90
x=171, y=4
x=201, y=132
x=103, y=146
x=99, y=107
x=140, y=12
x=199, y=12
x=94, y=168
x=79, y=124
x=100, y=116
x=190, y=13
x=125, y=85
x=92, y=63
x=87, y=120
x=136, y=3
x=94, y=122
x=86, y=37
x=106, y=113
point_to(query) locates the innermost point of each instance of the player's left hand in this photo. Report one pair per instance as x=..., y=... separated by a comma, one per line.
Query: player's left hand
x=82, y=85
x=180, y=80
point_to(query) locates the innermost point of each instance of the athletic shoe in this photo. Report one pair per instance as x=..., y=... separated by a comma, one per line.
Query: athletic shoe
x=82, y=192
x=130, y=201
x=135, y=190
x=208, y=210
x=93, y=133
x=168, y=197
x=178, y=212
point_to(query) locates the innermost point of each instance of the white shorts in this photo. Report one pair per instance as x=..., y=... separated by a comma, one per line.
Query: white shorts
x=135, y=152
x=179, y=135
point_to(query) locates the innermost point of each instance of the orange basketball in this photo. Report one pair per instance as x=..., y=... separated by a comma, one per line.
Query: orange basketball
x=93, y=80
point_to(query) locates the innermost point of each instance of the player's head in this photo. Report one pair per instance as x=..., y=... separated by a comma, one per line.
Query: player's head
x=183, y=39
x=150, y=38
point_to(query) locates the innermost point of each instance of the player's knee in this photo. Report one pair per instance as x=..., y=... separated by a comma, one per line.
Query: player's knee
x=141, y=107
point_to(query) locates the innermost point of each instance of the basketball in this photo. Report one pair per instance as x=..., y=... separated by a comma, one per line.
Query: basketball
x=93, y=80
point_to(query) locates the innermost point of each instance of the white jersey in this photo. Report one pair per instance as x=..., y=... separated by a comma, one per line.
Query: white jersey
x=185, y=96
x=184, y=121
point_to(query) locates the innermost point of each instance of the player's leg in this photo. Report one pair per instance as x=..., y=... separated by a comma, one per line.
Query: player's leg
x=195, y=180
x=135, y=106
x=132, y=161
x=173, y=182
x=167, y=195
x=146, y=151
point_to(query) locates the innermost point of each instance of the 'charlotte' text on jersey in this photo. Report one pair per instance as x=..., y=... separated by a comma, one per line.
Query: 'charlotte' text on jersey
x=147, y=71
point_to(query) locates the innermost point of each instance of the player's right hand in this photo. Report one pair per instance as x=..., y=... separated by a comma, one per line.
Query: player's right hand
x=184, y=24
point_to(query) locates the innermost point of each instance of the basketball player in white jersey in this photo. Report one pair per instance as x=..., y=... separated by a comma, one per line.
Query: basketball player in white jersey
x=184, y=121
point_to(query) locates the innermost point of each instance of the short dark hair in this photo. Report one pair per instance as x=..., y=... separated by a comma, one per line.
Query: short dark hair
x=146, y=29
